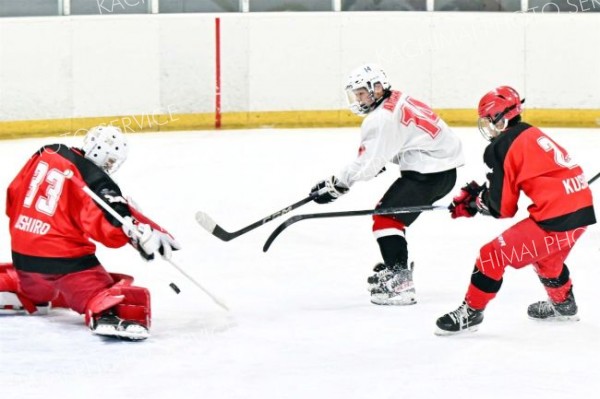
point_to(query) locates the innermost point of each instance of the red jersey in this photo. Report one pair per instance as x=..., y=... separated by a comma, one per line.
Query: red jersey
x=52, y=220
x=524, y=159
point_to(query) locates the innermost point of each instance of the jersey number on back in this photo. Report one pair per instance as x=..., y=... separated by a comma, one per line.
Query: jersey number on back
x=561, y=159
x=414, y=111
x=55, y=178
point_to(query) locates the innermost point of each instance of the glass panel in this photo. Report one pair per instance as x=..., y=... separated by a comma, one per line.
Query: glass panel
x=170, y=6
x=384, y=5
x=291, y=5
x=477, y=5
x=109, y=7
x=22, y=8
x=569, y=6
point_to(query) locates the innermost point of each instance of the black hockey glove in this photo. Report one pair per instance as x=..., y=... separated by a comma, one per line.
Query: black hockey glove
x=328, y=190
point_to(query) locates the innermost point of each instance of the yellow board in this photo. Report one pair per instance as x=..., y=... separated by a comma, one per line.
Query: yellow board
x=279, y=119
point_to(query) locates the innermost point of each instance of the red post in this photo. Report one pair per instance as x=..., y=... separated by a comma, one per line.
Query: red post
x=218, y=73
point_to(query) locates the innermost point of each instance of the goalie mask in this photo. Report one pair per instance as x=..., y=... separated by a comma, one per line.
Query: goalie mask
x=106, y=146
x=496, y=109
x=360, y=88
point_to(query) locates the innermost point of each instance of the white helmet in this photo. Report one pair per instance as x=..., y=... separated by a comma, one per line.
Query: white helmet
x=365, y=77
x=106, y=146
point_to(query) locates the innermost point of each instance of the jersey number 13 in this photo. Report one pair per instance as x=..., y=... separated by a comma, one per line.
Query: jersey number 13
x=48, y=202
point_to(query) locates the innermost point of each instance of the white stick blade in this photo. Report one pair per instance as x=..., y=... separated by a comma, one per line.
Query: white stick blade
x=205, y=221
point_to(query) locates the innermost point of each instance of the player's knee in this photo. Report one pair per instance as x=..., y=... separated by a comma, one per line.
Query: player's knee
x=385, y=222
x=490, y=263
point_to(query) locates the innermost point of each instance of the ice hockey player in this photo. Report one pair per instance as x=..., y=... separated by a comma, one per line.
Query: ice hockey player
x=522, y=158
x=399, y=129
x=51, y=223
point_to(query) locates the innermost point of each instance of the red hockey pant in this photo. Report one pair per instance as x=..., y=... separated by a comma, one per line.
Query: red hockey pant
x=523, y=244
x=75, y=288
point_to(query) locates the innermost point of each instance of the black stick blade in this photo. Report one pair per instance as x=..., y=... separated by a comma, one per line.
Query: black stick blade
x=279, y=229
x=213, y=228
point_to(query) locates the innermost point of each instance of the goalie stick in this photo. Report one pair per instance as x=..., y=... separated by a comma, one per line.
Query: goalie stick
x=384, y=211
x=212, y=227
x=81, y=184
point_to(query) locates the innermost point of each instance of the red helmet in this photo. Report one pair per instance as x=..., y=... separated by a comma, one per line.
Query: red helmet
x=502, y=102
x=496, y=108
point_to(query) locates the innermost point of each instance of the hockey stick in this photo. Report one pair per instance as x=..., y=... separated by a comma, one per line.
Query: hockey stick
x=71, y=176
x=81, y=184
x=212, y=227
x=383, y=211
x=197, y=284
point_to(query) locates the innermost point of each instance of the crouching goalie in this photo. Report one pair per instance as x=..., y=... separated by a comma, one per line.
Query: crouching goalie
x=51, y=223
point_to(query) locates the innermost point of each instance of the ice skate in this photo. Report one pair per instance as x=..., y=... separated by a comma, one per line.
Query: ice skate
x=463, y=319
x=550, y=311
x=395, y=288
x=382, y=273
x=110, y=325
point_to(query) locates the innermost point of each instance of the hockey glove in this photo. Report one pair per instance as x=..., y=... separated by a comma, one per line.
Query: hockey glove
x=328, y=190
x=148, y=241
x=468, y=202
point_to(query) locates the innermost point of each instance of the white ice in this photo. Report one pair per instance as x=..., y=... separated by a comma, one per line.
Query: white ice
x=301, y=325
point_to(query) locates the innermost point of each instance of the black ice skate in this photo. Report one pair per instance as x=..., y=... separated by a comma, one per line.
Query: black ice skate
x=110, y=325
x=548, y=310
x=465, y=318
x=396, y=287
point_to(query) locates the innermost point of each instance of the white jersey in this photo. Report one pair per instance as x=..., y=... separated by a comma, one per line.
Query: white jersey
x=408, y=133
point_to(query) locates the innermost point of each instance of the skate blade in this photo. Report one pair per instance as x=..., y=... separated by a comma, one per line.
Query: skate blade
x=443, y=333
x=398, y=300
x=12, y=311
x=10, y=304
x=558, y=319
x=132, y=333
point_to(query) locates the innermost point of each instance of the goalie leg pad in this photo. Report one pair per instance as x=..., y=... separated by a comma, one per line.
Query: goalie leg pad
x=12, y=299
x=122, y=311
x=102, y=302
x=78, y=289
x=9, y=281
x=123, y=294
x=136, y=306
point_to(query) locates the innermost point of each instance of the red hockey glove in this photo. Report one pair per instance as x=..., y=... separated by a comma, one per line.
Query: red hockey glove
x=465, y=203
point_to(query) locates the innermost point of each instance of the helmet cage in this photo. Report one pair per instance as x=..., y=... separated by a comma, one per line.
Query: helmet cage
x=490, y=130
x=365, y=77
x=490, y=127
x=356, y=106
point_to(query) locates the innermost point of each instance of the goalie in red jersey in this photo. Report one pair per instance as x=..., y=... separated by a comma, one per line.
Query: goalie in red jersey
x=522, y=158
x=51, y=223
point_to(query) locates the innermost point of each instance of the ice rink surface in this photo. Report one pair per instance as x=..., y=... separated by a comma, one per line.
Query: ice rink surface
x=301, y=325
